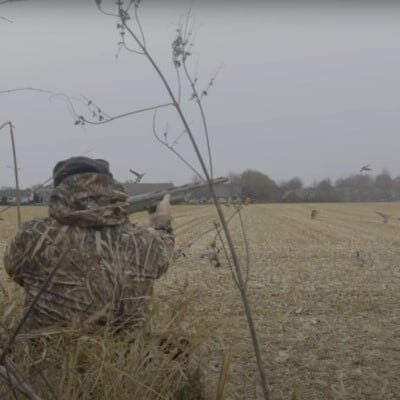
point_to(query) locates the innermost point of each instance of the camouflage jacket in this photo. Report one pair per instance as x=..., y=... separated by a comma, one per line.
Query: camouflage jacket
x=107, y=273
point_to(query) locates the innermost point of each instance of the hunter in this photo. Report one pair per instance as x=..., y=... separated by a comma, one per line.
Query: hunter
x=109, y=264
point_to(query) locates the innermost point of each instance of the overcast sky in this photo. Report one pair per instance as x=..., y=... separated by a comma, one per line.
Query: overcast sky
x=303, y=89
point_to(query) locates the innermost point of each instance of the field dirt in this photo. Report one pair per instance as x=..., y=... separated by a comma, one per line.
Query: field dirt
x=325, y=294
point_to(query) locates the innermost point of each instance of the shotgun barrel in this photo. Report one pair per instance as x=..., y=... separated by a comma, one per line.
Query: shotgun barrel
x=147, y=201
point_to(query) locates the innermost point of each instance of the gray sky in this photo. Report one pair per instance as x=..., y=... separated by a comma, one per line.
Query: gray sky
x=304, y=90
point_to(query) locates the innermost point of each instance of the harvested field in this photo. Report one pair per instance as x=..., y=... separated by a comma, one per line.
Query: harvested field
x=325, y=294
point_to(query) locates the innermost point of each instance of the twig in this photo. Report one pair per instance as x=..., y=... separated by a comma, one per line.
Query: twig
x=27, y=88
x=105, y=121
x=185, y=54
x=126, y=47
x=13, y=389
x=166, y=144
x=98, y=4
x=9, y=1
x=231, y=267
x=75, y=114
x=203, y=117
x=226, y=360
x=18, y=193
x=38, y=372
x=229, y=219
x=179, y=56
x=178, y=78
x=16, y=176
x=139, y=24
x=6, y=19
x=6, y=208
x=246, y=245
x=22, y=387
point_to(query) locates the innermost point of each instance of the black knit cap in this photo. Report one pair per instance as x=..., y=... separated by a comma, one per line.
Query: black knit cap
x=79, y=165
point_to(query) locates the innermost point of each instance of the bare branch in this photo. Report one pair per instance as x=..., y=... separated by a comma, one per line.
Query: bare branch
x=4, y=2
x=166, y=144
x=36, y=372
x=187, y=19
x=213, y=229
x=9, y=379
x=88, y=103
x=228, y=220
x=139, y=24
x=131, y=2
x=231, y=267
x=246, y=245
x=14, y=152
x=181, y=52
x=9, y=1
x=26, y=89
x=178, y=78
x=21, y=386
x=232, y=249
x=91, y=103
x=6, y=208
x=50, y=92
x=105, y=121
x=203, y=117
x=126, y=47
x=6, y=19
x=176, y=140
x=16, y=175
x=98, y=4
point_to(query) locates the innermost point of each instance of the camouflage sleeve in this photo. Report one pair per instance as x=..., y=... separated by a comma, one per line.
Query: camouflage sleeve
x=157, y=247
x=17, y=256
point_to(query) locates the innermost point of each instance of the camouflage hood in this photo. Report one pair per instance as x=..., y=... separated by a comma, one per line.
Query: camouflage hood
x=89, y=200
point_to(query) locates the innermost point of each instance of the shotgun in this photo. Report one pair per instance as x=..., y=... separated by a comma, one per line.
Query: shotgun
x=148, y=201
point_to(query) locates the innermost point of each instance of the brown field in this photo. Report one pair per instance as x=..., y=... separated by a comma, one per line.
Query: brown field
x=328, y=322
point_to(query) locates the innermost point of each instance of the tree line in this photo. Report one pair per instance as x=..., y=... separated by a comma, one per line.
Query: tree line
x=259, y=187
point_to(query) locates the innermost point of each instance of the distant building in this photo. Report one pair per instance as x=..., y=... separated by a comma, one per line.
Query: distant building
x=44, y=193
x=8, y=195
x=223, y=191
x=228, y=191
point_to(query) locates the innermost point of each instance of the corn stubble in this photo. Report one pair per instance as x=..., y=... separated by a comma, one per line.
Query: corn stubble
x=328, y=324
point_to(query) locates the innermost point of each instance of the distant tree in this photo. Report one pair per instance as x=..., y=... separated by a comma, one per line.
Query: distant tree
x=291, y=190
x=356, y=188
x=294, y=184
x=258, y=186
x=383, y=185
x=396, y=188
x=325, y=191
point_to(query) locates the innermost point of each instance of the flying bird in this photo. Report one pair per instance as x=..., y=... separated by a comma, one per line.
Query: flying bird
x=365, y=168
x=139, y=177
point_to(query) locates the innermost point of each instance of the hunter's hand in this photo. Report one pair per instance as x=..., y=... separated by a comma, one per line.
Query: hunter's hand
x=162, y=215
x=164, y=206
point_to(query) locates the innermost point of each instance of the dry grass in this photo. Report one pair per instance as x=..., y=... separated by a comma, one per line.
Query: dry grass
x=154, y=363
x=328, y=320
